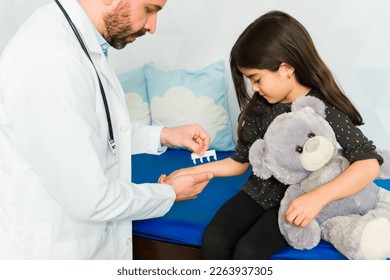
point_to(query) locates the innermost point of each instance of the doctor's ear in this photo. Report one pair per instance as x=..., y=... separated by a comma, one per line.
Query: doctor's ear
x=286, y=70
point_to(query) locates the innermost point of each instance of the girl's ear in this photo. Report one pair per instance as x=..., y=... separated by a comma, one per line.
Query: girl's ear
x=286, y=70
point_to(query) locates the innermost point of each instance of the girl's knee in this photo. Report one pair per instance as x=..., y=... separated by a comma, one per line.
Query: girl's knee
x=246, y=251
x=212, y=237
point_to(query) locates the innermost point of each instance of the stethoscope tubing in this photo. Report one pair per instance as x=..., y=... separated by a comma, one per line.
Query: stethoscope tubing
x=111, y=139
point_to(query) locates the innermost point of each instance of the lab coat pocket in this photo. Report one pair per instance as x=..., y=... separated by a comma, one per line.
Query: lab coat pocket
x=98, y=246
x=8, y=159
x=7, y=206
x=7, y=209
x=41, y=241
x=6, y=188
x=7, y=181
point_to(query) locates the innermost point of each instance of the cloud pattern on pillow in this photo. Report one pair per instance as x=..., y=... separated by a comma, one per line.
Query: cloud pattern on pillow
x=138, y=109
x=180, y=97
x=134, y=86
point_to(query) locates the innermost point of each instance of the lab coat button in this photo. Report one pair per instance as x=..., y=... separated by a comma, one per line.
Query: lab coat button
x=128, y=241
x=123, y=129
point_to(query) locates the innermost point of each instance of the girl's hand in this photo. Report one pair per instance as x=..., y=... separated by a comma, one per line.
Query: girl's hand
x=188, y=186
x=185, y=184
x=177, y=173
x=164, y=179
x=304, y=209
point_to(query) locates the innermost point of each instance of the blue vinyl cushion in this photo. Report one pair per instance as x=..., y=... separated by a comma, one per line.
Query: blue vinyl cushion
x=187, y=220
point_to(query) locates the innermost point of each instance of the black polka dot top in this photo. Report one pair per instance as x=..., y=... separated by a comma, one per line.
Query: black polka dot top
x=269, y=192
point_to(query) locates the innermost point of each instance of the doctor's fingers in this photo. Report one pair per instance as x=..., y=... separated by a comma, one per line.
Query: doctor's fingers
x=201, y=178
x=195, y=138
x=189, y=186
x=202, y=140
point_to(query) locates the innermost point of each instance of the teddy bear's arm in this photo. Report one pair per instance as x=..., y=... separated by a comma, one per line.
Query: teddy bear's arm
x=297, y=237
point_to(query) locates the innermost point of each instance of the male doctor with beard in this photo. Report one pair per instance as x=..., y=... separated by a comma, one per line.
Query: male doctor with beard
x=66, y=137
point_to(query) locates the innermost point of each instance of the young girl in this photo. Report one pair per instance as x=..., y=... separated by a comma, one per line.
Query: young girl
x=278, y=56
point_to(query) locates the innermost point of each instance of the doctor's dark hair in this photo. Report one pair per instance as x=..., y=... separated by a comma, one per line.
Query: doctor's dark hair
x=277, y=37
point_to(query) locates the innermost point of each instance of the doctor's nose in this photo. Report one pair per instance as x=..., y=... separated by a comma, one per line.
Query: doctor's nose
x=151, y=23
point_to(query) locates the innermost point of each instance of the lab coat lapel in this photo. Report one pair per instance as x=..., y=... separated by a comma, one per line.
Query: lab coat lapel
x=111, y=77
x=121, y=115
x=122, y=120
x=114, y=93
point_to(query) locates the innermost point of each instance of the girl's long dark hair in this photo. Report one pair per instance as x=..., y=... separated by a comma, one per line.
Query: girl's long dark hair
x=274, y=38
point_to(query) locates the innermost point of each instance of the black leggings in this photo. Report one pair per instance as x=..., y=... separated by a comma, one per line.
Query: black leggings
x=243, y=230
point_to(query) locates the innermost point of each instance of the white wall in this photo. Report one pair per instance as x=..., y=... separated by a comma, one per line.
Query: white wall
x=12, y=15
x=351, y=35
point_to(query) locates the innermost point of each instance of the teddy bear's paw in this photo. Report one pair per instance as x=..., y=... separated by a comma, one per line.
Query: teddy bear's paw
x=375, y=240
x=302, y=238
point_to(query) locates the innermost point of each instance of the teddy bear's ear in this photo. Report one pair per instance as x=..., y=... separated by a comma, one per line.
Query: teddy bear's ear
x=311, y=102
x=385, y=167
x=256, y=158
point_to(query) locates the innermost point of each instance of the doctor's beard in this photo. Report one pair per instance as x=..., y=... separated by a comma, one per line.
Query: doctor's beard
x=119, y=28
x=120, y=40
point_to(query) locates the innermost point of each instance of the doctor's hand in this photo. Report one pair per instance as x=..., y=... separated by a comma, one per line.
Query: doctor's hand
x=190, y=185
x=192, y=136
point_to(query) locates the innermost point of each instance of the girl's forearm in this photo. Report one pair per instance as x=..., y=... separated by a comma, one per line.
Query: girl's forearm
x=221, y=168
x=352, y=180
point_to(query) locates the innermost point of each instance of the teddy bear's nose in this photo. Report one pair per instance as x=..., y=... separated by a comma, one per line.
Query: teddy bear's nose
x=317, y=151
x=312, y=145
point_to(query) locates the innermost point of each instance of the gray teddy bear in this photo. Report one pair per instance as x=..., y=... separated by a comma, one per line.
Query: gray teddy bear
x=300, y=149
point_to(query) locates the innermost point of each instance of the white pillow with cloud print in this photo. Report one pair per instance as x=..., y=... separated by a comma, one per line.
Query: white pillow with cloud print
x=180, y=96
x=134, y=86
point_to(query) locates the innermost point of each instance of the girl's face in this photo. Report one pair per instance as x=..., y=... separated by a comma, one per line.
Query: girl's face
x=275, y=87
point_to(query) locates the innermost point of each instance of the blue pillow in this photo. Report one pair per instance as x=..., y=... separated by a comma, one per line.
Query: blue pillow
x=180, y=96
x=134, y=86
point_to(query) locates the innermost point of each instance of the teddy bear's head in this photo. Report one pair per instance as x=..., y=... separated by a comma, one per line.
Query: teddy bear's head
x=295, y=144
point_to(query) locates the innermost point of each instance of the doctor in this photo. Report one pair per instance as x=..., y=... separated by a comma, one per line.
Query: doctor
x=66, y=137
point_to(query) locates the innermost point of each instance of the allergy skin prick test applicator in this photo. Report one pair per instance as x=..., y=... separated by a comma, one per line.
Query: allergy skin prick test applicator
x=207, y=155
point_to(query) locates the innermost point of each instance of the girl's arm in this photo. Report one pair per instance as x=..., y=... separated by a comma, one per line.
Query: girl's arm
x=356, y=177
x=222, y=168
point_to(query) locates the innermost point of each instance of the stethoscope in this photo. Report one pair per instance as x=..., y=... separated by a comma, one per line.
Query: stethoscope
x=111, y=140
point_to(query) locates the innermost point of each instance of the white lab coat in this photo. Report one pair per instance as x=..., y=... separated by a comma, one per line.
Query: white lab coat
x=63, y=193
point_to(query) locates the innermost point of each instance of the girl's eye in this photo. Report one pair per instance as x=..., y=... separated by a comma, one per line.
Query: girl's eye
x=311, y=135
x=299, y=149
